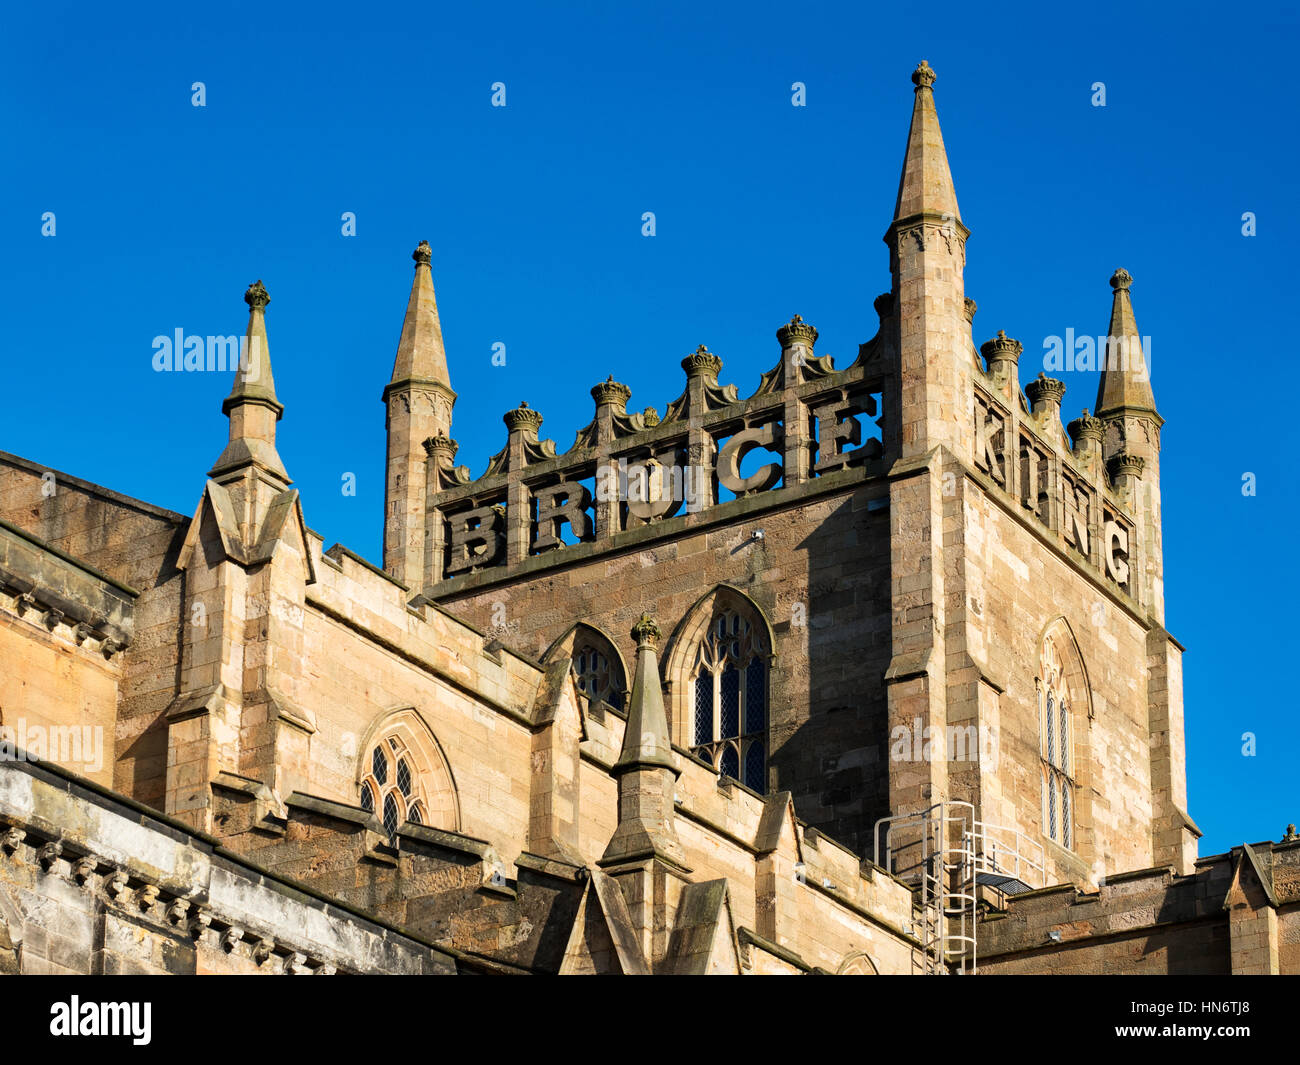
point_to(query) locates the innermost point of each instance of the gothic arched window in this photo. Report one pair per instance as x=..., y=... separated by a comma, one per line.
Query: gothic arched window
x=597, y=671
x=729, y=699
x=1056, y=751
x=391, y=787
x=597, y=667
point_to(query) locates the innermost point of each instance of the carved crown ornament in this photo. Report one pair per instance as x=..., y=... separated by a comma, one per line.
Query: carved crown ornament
x=1001, y=348
x=523, y=417
x=702, y=361
x=796, y=331
x=441, y=446
x=611, y=393
x=1125, y=465
x=1044, y=389
x=1086, y=428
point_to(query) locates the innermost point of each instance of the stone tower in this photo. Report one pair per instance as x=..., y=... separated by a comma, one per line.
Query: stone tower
x=929, y=332
x=418, y=401
x=246, y=566
x=937, y=595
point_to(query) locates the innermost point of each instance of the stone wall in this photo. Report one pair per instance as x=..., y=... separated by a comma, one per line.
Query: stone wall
x=133, y=543
x=819, y=575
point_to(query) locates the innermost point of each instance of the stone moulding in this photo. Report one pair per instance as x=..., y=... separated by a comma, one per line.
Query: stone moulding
x=217, y=897
x=65, y=592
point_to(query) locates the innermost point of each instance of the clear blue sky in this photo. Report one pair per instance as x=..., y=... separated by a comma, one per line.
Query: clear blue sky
x=165, y=212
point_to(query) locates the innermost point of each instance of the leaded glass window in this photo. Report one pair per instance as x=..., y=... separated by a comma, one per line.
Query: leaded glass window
x=391, y=788
x=729, y=723
x=597, y=672
x=1055, y=749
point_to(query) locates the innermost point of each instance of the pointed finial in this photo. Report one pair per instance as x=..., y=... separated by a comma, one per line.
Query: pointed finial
x=646, y=632
x=252, y=405
x=925, y=185
x=1125, y=383
x=257, y=296
x=421, y=359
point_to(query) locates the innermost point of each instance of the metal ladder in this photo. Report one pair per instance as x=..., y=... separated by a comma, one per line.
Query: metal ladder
x=934, y=852
x=947, y=856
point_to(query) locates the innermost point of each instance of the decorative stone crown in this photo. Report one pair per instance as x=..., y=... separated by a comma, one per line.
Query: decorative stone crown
x=423, y=254
x=1085, y=428
x=611, y=391
x=702, y=361
x=650, y=417
x=441, y=444
x=1001, y=348
x=522, y=417
x=1121, y=279
x=970, y=308
x=1044, y=389
x=923, y=77
x=257, y=296
x=1126, y=465
x=796, y=331
x=646, y=632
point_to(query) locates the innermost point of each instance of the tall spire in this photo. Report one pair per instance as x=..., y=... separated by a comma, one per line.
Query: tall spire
x=418, y=401
x=252, y=406
x=929, y=330
x=421, y=358
x=925, y=186
x=1126, y=376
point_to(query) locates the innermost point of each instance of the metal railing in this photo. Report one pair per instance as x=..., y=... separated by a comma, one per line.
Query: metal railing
x=947, y=855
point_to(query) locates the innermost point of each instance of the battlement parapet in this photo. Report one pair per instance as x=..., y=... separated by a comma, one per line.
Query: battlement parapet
x=628, y=471
x=1022, y=448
